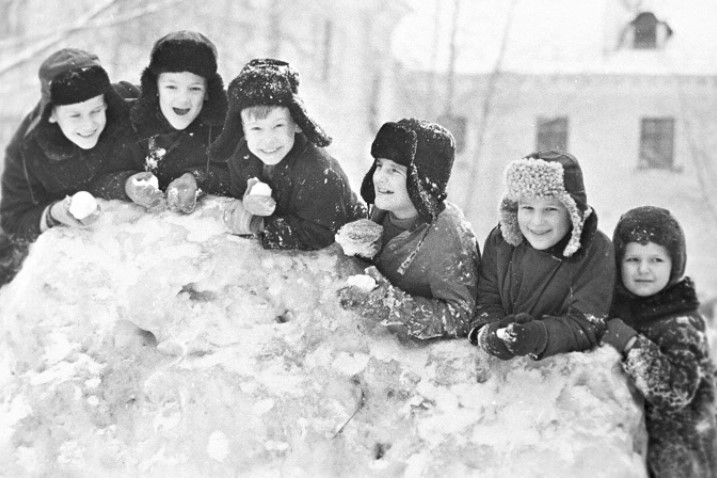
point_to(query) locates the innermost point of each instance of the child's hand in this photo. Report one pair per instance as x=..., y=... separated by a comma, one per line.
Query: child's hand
x=240, y=221
x=487, y=338
x=526, y=336
x=182, y=193
x=619, y=335
x=68, y=213
x=142, y=189
x=259, y=203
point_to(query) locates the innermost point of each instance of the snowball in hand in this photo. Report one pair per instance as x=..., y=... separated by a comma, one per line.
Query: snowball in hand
x=82, y=205
x=260, y=189
x=363, y=282
x=147, y=181
x=360, y=238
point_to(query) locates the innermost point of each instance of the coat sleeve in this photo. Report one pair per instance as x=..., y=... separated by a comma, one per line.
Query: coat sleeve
x=489, y=307
x=589, y=304
x=23, y=196
x=214, y=177
x=454, y=283
x=668, y=376
x=320, y=204
x=127, y=160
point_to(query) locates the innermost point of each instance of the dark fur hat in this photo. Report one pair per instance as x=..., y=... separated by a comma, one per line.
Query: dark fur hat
x=427, y=150
x=177, y=52
x=264, y=82
x=652, y=224
x=545, y=174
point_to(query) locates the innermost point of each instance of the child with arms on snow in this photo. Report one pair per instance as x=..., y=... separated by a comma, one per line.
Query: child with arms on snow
x=73, y=141
x=178, y=114
x=269, y=140
x=426, y=256
x=547, y=275
x=661, y=336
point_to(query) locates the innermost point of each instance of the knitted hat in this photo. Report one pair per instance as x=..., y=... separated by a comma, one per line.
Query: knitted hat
x=652, y=224
x=427, y=150
x=264, y=82
x=178, y=52
x=69, y=76
x=545, y=174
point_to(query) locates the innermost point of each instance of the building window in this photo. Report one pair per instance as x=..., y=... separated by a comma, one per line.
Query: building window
x=646, y=32
x=552, y=134
x=657, y=137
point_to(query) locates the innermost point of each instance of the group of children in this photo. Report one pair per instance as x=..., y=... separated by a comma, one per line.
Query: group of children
x=548, y=281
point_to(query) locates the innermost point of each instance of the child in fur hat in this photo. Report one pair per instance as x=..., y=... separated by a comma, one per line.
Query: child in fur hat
x=76, y=137
x=547, y=276
x=179, y=113
x=268, y=138
x=427, y=268
x=662, y=338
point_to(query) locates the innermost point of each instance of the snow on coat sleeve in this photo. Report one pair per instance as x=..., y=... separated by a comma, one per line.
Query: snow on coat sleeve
x=668, y=375
x=489, y=304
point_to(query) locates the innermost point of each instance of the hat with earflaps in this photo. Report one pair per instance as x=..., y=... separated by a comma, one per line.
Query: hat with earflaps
x=427, y=150
x=545, y=174
x=264, y=82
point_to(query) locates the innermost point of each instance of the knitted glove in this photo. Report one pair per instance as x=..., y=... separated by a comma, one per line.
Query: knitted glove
x=240, y=221
x=378, y=304
x=142, y=189
x=182, y=193
x=526, y=336
x=60, y=212
x=488, y=340
x=258, y=204
x=619, y=335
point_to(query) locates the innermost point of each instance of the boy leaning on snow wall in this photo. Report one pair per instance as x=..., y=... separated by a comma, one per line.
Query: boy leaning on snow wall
x=269, y=138
x=424, y=253
x=547, y=274
x=662, y=338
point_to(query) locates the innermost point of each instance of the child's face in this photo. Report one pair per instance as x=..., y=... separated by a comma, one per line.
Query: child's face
x=645, y=268
x=544, y=221
x=270, y=138
x=181, y=97
x=82, y=123
x=390, y=187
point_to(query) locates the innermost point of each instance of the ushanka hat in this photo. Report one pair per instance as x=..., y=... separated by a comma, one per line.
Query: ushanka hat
x=177, y=52
x=652, y=224
x=67, y=77
x=265, y=82
x=542, y=175
x=427, y=150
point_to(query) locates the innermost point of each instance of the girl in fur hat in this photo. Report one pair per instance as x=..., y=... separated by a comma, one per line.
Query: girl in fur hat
x=269, y=138
x=662, y=338
x=75, y=139
x=179, y=113
x=426, y=265
x=547, y=276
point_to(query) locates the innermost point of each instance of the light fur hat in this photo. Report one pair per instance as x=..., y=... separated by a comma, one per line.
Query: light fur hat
x=545, y=174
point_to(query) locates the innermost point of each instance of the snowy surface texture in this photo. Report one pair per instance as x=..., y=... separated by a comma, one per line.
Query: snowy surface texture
x=158, y=345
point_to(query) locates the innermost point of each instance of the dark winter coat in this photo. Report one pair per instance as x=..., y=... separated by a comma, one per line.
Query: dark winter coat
x=43, y=166
x=670, y=365
x=312, y=193
x=169, y=153
x=571, y=295
x=437, y=265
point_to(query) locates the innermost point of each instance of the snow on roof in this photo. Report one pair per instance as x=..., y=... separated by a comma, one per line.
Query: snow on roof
x=558, y=36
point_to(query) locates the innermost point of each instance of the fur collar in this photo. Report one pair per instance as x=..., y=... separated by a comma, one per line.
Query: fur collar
x=678, y=298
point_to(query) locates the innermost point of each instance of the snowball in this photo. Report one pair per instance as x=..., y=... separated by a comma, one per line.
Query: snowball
x=82, y=205
x=360, y=238
x=261, y=189
x=503, y=335
x=363, y=282
x=151, y=181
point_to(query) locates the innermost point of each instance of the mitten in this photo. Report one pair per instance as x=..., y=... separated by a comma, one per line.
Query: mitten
x=142, y=189
x=182, y=193
x=526, y=336
x=80, y=210
x=240, y=221
x=619, y=335
x=378, y=304
x=257, y=198
x=488, y=340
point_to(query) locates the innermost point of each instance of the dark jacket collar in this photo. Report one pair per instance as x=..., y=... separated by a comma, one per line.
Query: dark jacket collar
x=678, y=298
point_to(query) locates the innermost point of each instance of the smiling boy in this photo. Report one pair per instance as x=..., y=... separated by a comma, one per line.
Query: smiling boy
x=268, y=137
x=547, y=274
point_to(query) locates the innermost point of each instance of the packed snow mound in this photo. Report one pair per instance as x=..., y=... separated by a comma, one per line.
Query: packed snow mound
x=156, y=344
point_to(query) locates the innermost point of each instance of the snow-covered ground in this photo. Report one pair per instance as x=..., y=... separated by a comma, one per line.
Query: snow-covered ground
x=154, y=344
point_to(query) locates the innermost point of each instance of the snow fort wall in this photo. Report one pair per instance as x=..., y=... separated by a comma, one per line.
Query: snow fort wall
x=155, y=344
